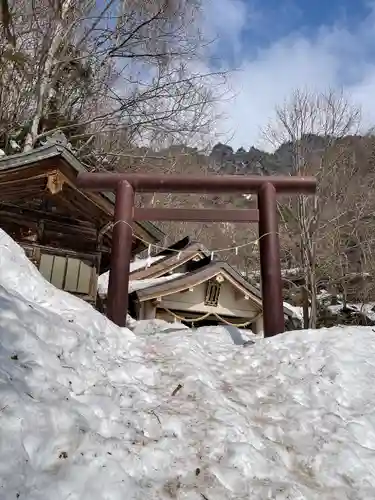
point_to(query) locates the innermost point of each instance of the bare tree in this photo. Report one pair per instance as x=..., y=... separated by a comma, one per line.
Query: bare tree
x=315, y=128
x=109, y=75
x=348, y=236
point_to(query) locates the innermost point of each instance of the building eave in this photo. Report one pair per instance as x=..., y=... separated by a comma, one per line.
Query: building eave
x=26, y=159
x=193, y=279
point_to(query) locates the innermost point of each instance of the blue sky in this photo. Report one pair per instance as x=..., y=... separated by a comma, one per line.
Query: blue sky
x=279, y=18
x=278, y=46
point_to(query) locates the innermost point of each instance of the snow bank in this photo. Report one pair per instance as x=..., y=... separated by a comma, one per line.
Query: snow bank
x=89, y=411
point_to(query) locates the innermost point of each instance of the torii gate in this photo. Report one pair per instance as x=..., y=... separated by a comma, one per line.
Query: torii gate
x=125, y=186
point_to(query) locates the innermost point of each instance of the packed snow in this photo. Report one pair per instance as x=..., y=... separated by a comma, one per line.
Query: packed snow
x=90, y=411
x=135, y=285
x=138, y=264
x=294, y=311
x=367, y=310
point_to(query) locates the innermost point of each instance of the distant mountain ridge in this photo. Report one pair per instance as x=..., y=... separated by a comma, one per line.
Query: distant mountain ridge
x=257, y=162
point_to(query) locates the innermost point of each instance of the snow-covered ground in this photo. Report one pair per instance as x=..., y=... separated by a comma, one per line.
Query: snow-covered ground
x=366, y=309
x=89, y=411
x=336, y=306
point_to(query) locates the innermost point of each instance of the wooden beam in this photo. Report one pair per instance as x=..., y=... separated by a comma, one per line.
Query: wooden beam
x=50, y=225
x=54, y=224
x=79, y=254
x=37, y=214
x=7, y=179
x=195, y=215
x=179, y=183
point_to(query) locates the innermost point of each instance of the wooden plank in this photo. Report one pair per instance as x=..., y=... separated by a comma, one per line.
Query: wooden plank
x=50, y=224
x=76, y=201
x=90, y=256
x=196, y=215
x=6, y=181
x=14, y=191
x=25, y=212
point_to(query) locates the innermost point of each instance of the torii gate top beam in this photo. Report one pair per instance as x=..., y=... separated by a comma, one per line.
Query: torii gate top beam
x=146, y=183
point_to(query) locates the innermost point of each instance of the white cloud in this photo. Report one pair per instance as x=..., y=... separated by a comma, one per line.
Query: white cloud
x=335, y=57
x=224, y=21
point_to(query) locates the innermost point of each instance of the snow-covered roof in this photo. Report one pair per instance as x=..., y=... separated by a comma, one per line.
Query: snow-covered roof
x=158, y=285
x=137, y=264
x=167, y=262
x=190, y=279
x=137, y=285
x=143, y=263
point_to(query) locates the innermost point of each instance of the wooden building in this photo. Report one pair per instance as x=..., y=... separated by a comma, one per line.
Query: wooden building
x=66, y=232
x=184, y=284
x=212, y=294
